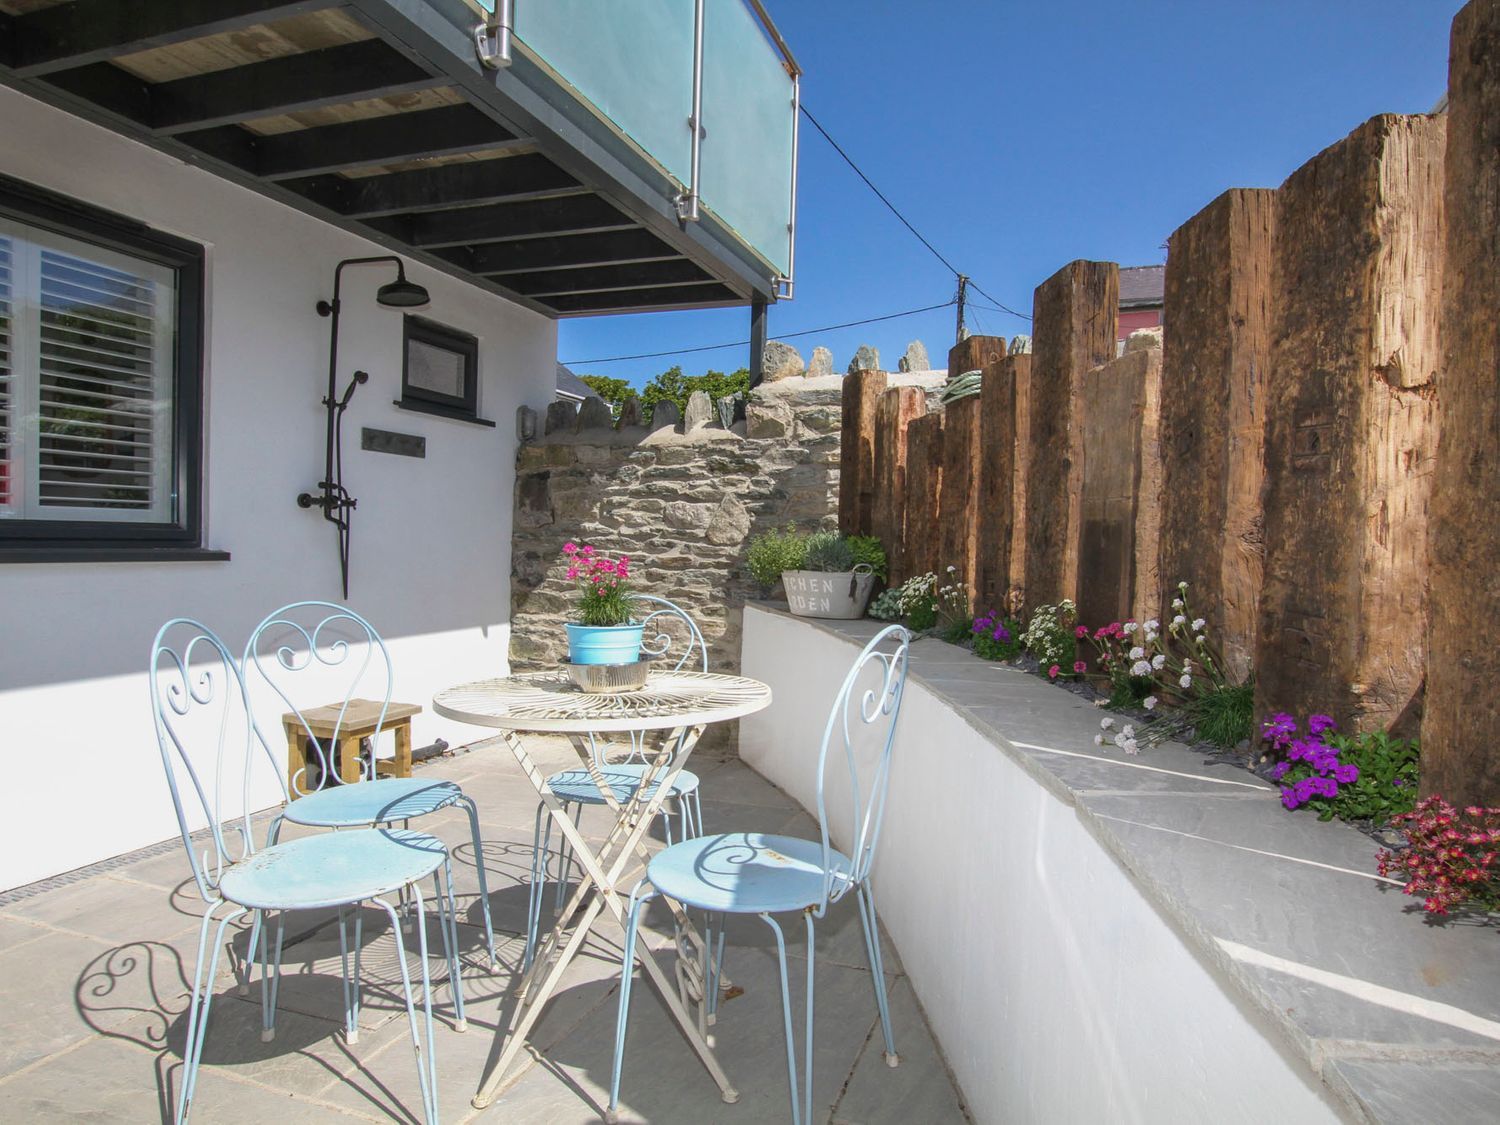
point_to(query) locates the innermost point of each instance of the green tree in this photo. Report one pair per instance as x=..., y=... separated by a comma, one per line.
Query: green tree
x=611, y=390
x=673, y=386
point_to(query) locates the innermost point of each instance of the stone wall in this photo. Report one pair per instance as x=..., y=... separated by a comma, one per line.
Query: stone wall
x=682, y=500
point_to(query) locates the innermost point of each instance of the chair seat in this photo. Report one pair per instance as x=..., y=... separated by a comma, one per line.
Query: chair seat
x=577, y=785
x=744, y=872
x=380, y=801
x=332, y=869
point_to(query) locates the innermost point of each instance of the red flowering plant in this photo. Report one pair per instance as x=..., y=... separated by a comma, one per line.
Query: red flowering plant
x=603, y=585
x=1452, y=858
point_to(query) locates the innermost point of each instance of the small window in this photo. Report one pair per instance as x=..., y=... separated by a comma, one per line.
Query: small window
x=440, y=374
x=100, y=381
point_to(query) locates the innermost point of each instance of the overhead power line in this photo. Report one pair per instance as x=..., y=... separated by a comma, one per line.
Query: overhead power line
x=1000, y=306
x=745, y=343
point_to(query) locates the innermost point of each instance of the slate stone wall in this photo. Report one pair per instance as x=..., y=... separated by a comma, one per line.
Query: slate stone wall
x=683, y=501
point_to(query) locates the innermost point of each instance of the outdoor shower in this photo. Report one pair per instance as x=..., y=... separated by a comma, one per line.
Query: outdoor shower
x=333, y=498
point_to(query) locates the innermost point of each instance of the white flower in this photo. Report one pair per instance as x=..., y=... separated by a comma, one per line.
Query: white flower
x=1187, y=665
x=1198, y=624
x=1203, y=640
x=1182, y=585
x=953, y=570
x=1150, y=638
x=1158, y=660
x=1130, y=627
x=1137, y=653
x=1149, y=703
x=1153, y=625
x=1140, y=668
x=1186, y=681
x=1105, y=724
x=1176, y=603
x=1121, y=740
x=1132, y=747
x=1127, y=732
x=1098, y=740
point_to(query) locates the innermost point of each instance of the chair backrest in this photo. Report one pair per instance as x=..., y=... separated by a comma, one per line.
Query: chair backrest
x=671, y=635
x=862, y=723
x=328, y=668
x=203, y=733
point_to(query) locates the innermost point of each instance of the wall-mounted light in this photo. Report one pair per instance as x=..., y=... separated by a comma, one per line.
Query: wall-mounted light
x=333, y=498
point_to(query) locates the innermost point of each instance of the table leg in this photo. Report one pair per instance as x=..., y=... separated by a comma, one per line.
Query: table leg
x=296, y=761
x=349, y=764
x=403, y=749
x=633, y=821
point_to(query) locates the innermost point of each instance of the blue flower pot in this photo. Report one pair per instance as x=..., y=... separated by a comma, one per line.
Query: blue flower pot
x=604, y=644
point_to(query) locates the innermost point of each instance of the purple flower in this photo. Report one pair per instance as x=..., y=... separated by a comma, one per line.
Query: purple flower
x=1303, y=789
x=1279, y=727
x=1317, y=724
x=1001, y=633
x=1348, y=773
x=1279, y=770
x=1289, y=799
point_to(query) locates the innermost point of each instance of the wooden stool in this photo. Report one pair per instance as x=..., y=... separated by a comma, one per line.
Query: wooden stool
x=361, y=720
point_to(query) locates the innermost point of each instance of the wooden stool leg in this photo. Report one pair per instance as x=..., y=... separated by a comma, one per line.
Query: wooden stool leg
x=349, y=765
x=296, y=763
x=403, y=749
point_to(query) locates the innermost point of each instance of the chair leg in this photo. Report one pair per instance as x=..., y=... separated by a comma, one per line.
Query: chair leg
x=565, y=868
x=426, y=1060
x=271, y=973
x=351, y=1028
x=539, y=844
x=448, y=927
x=484, y=891
x=786, y=1012
x=252, y=951
x=627, y=975
x=865, y=894
x=192, y=1052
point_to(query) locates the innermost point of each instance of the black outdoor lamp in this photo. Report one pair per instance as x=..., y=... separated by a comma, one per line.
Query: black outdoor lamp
x=333, y=497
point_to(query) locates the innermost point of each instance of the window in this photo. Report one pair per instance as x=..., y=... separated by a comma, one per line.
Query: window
x=440, y=372
x=100, y=381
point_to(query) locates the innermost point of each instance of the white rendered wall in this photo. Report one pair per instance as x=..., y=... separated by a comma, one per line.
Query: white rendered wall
x=1057, y=991
x=431, y=538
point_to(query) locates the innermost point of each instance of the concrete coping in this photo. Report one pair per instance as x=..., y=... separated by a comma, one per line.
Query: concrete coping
x=1400, y=1018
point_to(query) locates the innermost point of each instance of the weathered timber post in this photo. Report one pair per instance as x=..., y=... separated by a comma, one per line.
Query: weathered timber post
x=1352, y=426
x=862, y=390
x=1461, y=724
x=924, y=475
x=893, y=413
x=1119, y=538
x=1076, y=311
x=958, y=502
x=1020, y=366
x=1215, y=360
x=999, y=462
x=964, y=545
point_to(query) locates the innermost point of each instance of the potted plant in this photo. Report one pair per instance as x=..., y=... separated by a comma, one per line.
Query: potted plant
x=603, y=632
x=836, y=576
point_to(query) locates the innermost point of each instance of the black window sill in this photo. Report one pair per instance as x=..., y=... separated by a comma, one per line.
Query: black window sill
x=40, y=554
x=451, y=413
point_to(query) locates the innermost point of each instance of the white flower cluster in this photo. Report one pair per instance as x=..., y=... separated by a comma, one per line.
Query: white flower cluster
x=1125, y=738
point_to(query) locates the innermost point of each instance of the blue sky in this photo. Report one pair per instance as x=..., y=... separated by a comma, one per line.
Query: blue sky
x=1020, y=134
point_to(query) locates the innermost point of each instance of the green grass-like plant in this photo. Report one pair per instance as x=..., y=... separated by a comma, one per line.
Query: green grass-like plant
x=828, y=552
x=867, y=549
x=1225, y=715
x=774, y=551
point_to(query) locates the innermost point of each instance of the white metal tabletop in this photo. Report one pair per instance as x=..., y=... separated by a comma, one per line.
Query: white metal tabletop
x=549, y=701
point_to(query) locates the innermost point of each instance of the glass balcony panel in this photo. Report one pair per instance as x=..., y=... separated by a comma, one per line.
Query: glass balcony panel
x=746, y=158
x=632, y=62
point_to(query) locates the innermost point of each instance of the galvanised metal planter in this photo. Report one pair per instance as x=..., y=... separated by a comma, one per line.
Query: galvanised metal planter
x=604, y=644
x=839, y=594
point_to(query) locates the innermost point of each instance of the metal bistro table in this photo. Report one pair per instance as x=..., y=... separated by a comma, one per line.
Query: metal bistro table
x=677, y=704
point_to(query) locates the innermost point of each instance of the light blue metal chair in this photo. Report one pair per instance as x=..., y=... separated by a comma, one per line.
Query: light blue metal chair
x=673, y=638
x=341, y=653
x=752, y=873
x=205, y=734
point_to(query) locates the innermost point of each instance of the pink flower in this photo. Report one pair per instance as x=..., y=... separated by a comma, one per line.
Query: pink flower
x=1080, y=667
x=1053, y=671
x=1081, y=631
x=572, y=572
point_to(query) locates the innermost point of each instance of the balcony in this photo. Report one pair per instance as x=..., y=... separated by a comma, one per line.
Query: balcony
x=565, y=177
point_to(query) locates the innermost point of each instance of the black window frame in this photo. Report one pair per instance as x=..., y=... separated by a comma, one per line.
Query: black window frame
x=87, y=540
x=430, y=332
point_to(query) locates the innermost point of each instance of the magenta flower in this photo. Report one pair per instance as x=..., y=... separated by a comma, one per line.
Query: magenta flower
x=1052, y=672
x=1079, y=667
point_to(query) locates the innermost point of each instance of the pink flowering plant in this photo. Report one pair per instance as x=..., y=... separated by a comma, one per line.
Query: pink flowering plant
x=1369, y=776
x=603, y=585
x=1452, y=859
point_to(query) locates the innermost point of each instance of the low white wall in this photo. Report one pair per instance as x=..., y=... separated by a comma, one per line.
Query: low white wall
x=431, y=538
x=1057, y=991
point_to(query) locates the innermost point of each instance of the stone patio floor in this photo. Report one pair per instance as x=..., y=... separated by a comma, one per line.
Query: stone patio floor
x=95, y=968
